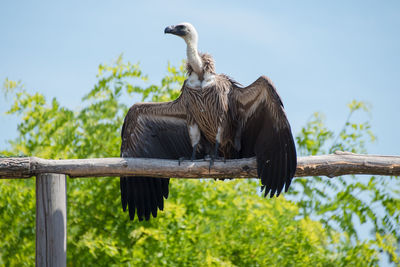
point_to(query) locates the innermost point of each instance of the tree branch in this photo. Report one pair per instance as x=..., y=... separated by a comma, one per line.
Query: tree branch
x=339, y=163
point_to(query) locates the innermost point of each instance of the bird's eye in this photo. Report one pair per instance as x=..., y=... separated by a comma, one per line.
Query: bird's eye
x=180, y=27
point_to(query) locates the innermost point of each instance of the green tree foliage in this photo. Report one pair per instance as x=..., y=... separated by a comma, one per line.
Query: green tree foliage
x=340, y=202
x=206, y=223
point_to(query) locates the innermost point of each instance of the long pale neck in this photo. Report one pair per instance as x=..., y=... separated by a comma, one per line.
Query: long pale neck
x=194, y=58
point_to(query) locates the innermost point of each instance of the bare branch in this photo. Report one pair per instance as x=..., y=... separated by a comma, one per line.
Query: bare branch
x=339, y=163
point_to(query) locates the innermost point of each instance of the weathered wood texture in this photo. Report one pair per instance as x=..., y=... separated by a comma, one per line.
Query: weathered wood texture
x=331, y=165
x=51, y=220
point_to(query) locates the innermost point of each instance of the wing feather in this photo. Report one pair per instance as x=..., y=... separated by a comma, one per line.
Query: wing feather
x=265, y=132
x=151, y=130
x=130, y=188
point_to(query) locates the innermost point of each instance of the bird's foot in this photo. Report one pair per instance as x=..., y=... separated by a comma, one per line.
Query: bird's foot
x=181, y=159
x=213, y=159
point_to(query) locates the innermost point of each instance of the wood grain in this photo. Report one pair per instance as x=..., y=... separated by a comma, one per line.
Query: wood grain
x=51, y=220
x=339, y=163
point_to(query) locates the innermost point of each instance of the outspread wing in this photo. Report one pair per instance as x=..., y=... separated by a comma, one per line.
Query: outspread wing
x=264, y=131
x=151, y=130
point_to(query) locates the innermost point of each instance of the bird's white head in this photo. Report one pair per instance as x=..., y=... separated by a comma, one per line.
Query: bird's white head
x=184, y=30
x=189, y=34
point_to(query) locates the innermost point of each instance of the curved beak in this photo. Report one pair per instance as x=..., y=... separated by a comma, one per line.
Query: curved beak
x=169, y=29
x=176, y=30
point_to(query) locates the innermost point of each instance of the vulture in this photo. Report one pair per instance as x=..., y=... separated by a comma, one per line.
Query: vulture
x=213, y=117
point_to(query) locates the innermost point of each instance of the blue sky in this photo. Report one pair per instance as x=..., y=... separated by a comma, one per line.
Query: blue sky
x=319, y=54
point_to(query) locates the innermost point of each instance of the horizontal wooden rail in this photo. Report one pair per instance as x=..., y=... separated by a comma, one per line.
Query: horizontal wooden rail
x=51, y=201
x=339, y=163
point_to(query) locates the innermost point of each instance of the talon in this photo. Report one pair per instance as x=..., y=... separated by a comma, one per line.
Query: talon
x=212, y=160
x=211, y=164
x=180, y=160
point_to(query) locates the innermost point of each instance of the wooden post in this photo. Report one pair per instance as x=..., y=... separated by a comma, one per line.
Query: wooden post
x=51, y=220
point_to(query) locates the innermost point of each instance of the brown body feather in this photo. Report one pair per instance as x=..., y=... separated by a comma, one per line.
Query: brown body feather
x=208, y=107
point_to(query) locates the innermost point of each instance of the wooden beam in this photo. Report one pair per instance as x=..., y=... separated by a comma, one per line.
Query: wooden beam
x=51, y=220
x=339, y=163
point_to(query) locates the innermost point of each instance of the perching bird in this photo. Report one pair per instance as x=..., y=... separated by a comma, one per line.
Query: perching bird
x=213, y=116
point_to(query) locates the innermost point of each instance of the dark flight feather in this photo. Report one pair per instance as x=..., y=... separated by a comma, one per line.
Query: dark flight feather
x=149, y=131
x=266, y=133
